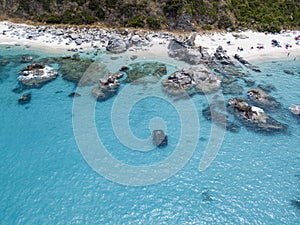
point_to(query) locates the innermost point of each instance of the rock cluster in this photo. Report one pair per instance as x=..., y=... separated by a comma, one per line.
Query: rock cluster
x=191, y=80
x=254, y=117
x=35, y=75
x=107, y=87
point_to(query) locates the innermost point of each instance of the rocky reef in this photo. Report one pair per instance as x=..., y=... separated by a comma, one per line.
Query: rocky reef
x=159, y=138
x=35, y=75
x=260, y=98
x=107, y=87
x=254, y=117
x=151, y=71
x=191, y=80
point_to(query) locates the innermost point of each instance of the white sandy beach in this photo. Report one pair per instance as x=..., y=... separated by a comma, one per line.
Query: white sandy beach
x=21, y=34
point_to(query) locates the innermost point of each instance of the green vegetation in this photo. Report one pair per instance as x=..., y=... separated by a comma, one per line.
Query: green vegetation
x=266, y=15
x=137, y=21
x=153, y=23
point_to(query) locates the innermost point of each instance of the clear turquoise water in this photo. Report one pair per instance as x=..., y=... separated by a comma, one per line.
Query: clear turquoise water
x=44, y=178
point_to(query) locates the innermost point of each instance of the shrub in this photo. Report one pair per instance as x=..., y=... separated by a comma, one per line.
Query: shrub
x=137, y=21
x=153, y=23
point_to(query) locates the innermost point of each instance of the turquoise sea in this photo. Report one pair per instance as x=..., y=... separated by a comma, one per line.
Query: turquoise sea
x=45, y=147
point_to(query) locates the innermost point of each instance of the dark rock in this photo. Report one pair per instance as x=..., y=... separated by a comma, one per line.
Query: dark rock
x=74, y=94
x=24, y=99
x=246, y=63
x=159, y=138
x=124, y=68
x=266, y=88
x=296, y=203
x=221, y=56
x=254, y=117
x=262, y=99
x=289, y=72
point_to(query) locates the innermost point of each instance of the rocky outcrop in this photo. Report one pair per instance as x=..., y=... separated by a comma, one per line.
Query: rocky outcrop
x=35, y=75
x=262, y=99
x=221, y=56
x=254, y=117
x=107, y=87
x=295, y=109
x=159, y=138
x=191, y=80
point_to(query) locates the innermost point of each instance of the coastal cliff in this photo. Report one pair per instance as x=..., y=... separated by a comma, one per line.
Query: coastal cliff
x=270, y=15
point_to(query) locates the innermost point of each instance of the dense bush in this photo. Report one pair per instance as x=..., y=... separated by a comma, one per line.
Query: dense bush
x=153, y=23
x=137, y=21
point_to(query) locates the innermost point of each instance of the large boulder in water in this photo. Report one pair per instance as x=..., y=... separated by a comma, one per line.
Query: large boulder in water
x=191, y=80
x=254, y=117
x=116, y=46
x=159, y=138
x=107, y=87
x=35, y=75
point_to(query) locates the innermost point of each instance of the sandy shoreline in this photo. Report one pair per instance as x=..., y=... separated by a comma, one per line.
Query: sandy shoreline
x=54, y=39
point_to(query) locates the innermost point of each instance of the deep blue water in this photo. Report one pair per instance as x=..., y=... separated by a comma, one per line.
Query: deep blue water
x=44, y=178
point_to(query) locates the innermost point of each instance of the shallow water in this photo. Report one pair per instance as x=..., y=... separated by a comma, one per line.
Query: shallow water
x=45, y=179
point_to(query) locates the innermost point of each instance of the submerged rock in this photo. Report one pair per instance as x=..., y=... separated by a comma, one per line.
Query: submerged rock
x=153, y=71
x=192, y=80
x=262, y=99
x=24, y=99
x=254, y=117
x=74, y=94
x=35, y=75
x=232, y=89
x=215, y=112
x=107, y=87
x=159, y=138
x=26, y=59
